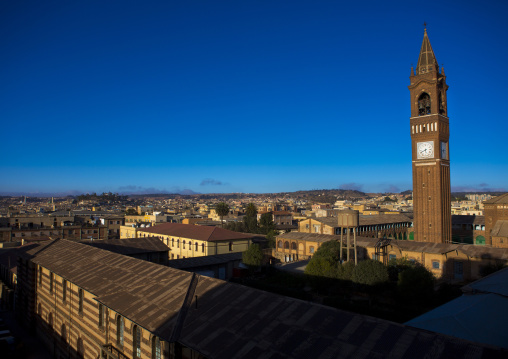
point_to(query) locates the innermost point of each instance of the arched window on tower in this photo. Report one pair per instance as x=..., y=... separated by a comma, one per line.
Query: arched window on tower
x=424, y=104
x=442, y=110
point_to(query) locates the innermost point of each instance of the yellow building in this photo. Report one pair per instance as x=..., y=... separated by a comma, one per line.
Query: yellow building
x=457, y=262
x=187, y=240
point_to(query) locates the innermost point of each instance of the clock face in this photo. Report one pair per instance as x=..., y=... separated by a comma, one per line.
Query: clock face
x=444, y=150
x=425, y=149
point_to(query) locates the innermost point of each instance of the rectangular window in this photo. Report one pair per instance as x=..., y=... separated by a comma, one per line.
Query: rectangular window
x=80, y=301
x=101, y=315
x=51, y=278
x=435, y=264
x=64, y=290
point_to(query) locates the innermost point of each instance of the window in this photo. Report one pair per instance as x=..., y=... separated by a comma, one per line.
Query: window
x=435, y=264
x=81, y=348
x=286, y=245
x=230, y=246
x=203, y=247
x=51, y=279
x=293, y=245
x=172, y=242
x=102, y=312
x=183, y=244
x=424, y=104
x=279, y=244
x=63, y=333
x=196, y=246
x=40, y=276
x=119, y=330
x=80, y=301
x=156, y=348
x=64, y=290
x=311, y=249
x=392, y=256
x=136, y=344
x=177, y=243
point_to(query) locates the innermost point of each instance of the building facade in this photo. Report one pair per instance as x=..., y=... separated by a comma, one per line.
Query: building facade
x=430, y=146
x=189, y=241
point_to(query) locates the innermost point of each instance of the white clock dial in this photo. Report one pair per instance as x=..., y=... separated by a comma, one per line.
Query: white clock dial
x=425, y=149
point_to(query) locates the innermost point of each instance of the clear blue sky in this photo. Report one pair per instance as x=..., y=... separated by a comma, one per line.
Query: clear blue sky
x=242, y=96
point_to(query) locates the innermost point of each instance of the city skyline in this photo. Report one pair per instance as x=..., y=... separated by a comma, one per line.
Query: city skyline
x=242, y=97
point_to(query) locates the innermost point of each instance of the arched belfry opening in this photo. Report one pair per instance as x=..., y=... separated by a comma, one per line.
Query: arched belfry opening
x=424, y=104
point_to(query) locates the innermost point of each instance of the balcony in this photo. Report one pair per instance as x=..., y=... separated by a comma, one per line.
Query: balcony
x=108, y=351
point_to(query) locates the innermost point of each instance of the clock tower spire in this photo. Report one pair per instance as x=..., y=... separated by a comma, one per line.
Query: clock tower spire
x=429, y=138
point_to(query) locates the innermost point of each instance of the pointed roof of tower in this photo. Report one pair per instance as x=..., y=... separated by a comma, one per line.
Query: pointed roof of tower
x=427, y=60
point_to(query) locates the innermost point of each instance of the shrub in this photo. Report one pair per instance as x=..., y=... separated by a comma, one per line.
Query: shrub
x=370, y=272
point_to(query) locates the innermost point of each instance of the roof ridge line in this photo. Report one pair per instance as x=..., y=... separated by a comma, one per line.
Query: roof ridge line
x=182, y=313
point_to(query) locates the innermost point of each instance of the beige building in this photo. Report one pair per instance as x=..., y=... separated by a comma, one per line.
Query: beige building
x=456, y=262
x=187, y=240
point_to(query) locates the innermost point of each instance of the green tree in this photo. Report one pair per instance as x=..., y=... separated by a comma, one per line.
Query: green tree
x=321, y=267
x=222, y=210
x=250, y=219
x=251, y=210
x=370, y=272
x=345, y=271
x=325, y=261
x=253, y=257
x=416, y=284
x=266, y=223
x=131, y=212
x=398, y=265
x=271, y=239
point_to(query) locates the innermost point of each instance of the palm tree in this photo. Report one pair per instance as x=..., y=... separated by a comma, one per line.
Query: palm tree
x=222, y=209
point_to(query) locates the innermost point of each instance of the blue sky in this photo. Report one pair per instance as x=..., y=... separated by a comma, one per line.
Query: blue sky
x=242, y=96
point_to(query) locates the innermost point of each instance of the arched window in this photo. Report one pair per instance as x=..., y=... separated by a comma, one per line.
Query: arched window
x=279, y=244
x=50, y=321
x=156, y=348
x=442, y=110
x=196, y=246
x=230, y=246
x=63, y=334
x=177, y=243
x=80, y=348
x=136, y=342
x=119, y=330
x=183, y=244
x=286, y=245
x=172, y=242
x=424, y=104
x=203, y=247
x=293, y=245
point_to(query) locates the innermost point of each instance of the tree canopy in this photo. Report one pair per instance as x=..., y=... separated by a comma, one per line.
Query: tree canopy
x=253, y=257
x=222, y=210
x=370, y=272
x=266, y=223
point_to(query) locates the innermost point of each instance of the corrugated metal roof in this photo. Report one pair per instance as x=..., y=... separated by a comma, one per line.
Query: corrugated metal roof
x=500, y=229
x=130, y=245
x=224, y=320
x=502, y=199
x=203, y=233
x=204, y=261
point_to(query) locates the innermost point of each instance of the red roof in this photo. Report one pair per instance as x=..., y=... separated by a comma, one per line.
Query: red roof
x=203, y=233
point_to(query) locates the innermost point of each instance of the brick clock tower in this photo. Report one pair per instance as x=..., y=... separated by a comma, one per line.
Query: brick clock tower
x=431, y=157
